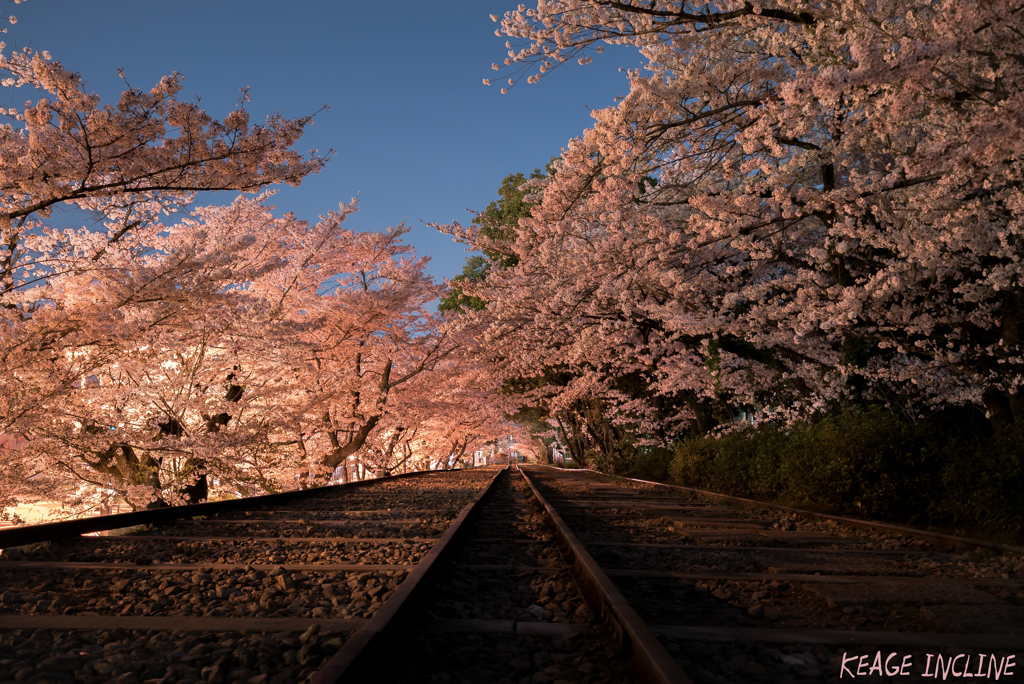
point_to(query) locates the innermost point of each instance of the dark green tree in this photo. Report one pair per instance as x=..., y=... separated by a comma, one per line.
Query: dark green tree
x=497, y=222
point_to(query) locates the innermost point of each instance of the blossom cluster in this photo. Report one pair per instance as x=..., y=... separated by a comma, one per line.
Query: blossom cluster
x=797, y=205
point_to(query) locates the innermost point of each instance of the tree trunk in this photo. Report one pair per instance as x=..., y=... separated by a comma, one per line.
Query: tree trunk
x=123, y=463
x=704, y=420
x=199, y=491
x=341, y=452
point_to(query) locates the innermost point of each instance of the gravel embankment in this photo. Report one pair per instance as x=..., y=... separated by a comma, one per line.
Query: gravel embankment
x=236, y=551
x=131, y=657
x=703, y=536
x=237, y=573
x=204, y=592
x=532, y=586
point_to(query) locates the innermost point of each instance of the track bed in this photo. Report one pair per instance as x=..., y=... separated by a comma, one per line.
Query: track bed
x=264, y=595
x=755, y=594
x=521, y=576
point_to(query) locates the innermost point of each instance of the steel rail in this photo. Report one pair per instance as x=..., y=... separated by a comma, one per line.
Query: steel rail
x=286, y=540
x=32, y=534
x=157, y=567
x=826, y=636
x=359, y=659
x=177, y=623
x=941, y=540
x=649, y=659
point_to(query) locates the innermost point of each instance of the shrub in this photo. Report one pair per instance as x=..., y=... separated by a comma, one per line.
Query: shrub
x=945, y=471
x=650, y=463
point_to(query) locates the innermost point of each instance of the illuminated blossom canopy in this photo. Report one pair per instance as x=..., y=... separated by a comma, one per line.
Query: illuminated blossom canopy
x=798, y=205
x=155, y=358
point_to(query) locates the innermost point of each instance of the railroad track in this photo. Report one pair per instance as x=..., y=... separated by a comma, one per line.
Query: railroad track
x=535, y=576
x=743, y=592
x=270, y=589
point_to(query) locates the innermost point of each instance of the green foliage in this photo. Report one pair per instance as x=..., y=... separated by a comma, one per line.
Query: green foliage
x=475, y=270
x=645, y=182
x=501, y=217
x=714, y=364
x=497, y=222
x=942, y=472
x=650, y=463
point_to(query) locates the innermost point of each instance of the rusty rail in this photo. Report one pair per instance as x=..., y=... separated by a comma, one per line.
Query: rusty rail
x=650, y=661
x=33, y=534
x=359, y=660
x=941, y=540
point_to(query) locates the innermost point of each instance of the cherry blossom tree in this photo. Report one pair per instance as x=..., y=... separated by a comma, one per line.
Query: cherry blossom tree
x=256, y=351
x=229, y=351
x=165, y=386
x=452, y=411
x=129, y=162
x=368, y=331
x=797, y=206
x=75, y=303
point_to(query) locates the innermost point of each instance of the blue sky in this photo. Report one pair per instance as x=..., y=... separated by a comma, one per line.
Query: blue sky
x=417, y=135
